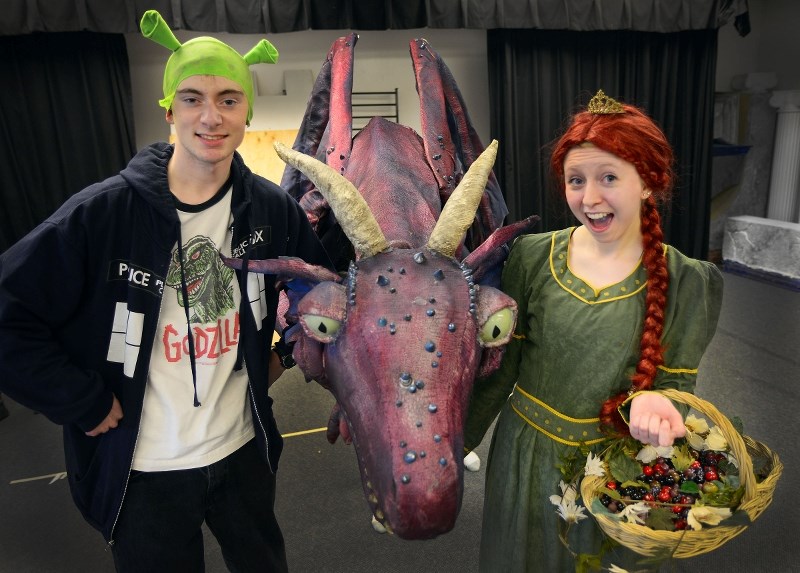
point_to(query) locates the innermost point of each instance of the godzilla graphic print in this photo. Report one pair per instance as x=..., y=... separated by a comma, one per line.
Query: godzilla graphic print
x=208, y=281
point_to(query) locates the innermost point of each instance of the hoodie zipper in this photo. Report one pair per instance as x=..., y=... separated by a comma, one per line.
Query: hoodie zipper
x=243, y=297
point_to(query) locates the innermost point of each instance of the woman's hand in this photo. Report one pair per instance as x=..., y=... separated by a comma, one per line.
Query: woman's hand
x=654, y=420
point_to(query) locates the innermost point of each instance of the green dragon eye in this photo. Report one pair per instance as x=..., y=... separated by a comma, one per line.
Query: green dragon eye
x=322, y=328
x=497, y=328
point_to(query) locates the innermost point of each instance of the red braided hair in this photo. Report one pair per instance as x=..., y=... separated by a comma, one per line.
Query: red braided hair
x=634, y=137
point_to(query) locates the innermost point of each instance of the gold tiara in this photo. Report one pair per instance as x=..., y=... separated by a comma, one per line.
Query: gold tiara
x=601, y=104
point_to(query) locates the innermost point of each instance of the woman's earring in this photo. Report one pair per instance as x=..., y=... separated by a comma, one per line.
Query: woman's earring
x=646, y=193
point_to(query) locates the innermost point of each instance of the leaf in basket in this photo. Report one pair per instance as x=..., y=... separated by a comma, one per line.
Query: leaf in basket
x=623, y=468
x=660, y=519
x=729, y=469
x=599, y=508
x=725, y=496
x=690, y=487
x=740, y=517
x=716, y=440
x=681, y=458
x=637, y=483
x=701, y=514
x=737, y=424
x=612, y=493
x=761, y=467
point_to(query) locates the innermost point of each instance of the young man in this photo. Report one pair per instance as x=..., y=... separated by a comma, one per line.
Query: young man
x=118, y=321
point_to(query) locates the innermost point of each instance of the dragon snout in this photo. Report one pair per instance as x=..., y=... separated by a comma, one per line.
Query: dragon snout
x=412, y=472
x=420, y=497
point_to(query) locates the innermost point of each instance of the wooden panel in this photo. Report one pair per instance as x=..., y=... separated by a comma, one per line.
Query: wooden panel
x=260, y=156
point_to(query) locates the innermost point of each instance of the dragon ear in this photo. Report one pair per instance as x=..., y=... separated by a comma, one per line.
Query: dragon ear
x=155, y=28
x=262, y=53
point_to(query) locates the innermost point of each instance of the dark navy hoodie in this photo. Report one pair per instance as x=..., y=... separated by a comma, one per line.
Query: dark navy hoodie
x=105, y=253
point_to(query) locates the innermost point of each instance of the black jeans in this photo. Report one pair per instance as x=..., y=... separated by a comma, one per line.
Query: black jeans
x=159, y=527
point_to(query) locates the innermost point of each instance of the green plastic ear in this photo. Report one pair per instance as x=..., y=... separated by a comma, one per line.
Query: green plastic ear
x=262, y=53
x=155, y=28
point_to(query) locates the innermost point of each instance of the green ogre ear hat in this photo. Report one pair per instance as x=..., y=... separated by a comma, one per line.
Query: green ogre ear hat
x=204, y=56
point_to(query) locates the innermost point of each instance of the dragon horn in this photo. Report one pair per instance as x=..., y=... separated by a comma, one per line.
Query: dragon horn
x=352, y=212
x=459, y=211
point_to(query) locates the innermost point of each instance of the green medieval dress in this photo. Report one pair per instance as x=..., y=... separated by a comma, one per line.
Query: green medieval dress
x=574, y=347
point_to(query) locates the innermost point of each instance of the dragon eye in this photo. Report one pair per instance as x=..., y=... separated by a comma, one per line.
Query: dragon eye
x=320, y=327
x=322, y=311
x=497, y=328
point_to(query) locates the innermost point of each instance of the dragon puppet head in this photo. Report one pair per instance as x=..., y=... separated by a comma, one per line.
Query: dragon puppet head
x=400, y=337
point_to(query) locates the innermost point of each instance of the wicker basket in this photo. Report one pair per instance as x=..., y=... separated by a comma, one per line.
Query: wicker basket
x=688, y=543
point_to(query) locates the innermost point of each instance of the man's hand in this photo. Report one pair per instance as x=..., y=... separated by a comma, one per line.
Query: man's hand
x=654, y=420
x=276, y=369
x=111, y=421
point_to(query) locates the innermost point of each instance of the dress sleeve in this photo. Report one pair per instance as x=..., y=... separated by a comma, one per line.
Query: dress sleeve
x=490, y=393
x=693, y=309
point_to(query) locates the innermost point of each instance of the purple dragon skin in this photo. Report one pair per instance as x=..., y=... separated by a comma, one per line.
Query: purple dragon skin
x=405, y=333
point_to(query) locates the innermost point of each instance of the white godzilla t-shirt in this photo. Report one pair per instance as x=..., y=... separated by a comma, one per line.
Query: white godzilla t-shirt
x=174, y=434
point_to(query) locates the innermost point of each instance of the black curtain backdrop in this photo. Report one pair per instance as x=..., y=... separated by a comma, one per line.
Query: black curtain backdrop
x=270, y=16
x=66, y=121
x=538, y=78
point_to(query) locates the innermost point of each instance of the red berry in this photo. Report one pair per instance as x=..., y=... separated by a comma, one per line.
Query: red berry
x=711, y=475
x=680, y=524
x=677, y=509
x=647, y=470
x=612, y=485
x=648, y=497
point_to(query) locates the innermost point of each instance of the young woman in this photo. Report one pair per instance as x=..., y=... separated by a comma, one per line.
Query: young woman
x=606, y=310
